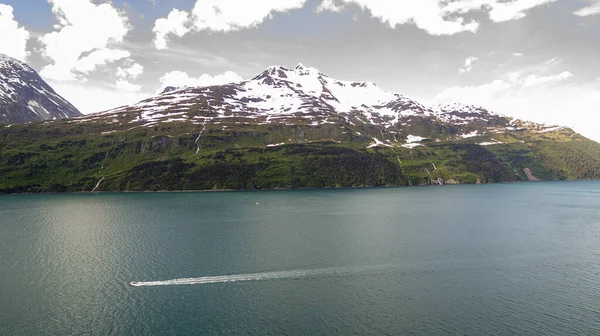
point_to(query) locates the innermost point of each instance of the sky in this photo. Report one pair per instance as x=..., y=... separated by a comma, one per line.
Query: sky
x=537, y=60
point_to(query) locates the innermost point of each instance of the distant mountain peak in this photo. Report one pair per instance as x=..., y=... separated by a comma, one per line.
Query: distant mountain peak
x=274, y=71
x=281, y=72
x=11, y=66
x=169, y=89
x=6, y=60
x=303, y=70
x=25, y=96
x=294, y=75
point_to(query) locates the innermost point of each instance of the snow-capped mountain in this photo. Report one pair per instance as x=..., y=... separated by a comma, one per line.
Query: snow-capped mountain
x=25, y=96
x=287, y=128
x=282, y=95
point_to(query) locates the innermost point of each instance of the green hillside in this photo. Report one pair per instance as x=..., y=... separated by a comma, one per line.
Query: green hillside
x=68, y=156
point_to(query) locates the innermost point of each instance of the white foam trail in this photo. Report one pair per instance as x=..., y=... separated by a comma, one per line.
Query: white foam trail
x=295, y=274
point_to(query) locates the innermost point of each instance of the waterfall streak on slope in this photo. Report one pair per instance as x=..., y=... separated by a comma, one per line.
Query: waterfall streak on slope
x=430, y=177
x=280, y=275
x=199, y=135
x=400, y=162
x=98, y=184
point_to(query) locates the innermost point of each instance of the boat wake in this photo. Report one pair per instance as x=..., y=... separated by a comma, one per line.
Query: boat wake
x=280, y=275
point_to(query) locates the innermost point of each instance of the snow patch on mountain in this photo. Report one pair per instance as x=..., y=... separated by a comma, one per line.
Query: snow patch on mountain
x=378, y=143
x=414, y=138
x=413, y=141
x=469, y=135
x=550, y=129
x=490, y=143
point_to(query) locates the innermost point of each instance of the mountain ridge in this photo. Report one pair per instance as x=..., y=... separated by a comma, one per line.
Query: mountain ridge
x=283, y=95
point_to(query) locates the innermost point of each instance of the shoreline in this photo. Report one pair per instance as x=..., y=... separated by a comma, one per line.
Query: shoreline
x=284, y=189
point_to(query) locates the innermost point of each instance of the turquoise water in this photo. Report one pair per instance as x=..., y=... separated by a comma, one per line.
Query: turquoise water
x=457, y=260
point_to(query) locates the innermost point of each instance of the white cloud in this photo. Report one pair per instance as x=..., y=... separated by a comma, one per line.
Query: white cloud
x=439, y=17
x=231, y=15
x=592, y=9
x=124, y=74
x=551, y=99
x=533, y=80
x=428, y=15
x=59, y=72
x=513, y=10
x=174, y=24
x=95, y=98
x=180, y=79
x=498, y=10
x=133, y=71
x=100, y=57
x=127, y=86
x=13, y=39
x=512, y=81
x=219, y=16
x=474, y=94
x=468, y=65
x=329, y=5
x=82, y=38
x=83, y=41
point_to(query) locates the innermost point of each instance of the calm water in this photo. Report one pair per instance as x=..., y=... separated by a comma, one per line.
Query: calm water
x=457, y=260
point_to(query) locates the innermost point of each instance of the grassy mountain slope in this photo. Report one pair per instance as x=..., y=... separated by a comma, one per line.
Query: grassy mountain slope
x=73, y=156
